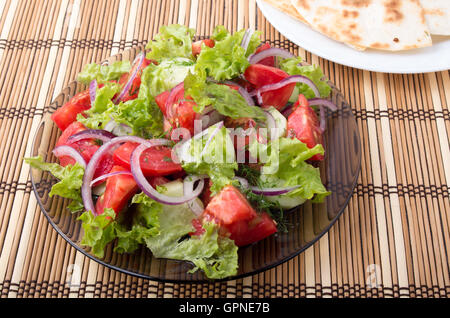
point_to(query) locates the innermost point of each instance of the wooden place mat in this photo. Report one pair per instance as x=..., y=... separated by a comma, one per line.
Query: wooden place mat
x=392, y=239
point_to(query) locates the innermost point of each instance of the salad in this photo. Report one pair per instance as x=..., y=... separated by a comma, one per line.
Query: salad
x=194, y=149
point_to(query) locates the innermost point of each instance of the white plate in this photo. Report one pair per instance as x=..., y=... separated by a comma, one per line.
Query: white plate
x=431, y=59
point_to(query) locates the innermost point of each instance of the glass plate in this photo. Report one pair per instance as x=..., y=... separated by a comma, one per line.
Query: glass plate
x=306, y=224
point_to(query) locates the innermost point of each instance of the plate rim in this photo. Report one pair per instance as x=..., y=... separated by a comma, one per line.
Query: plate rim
x=205, y=280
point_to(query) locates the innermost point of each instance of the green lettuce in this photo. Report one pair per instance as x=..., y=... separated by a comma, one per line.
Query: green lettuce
x=217, y=159
x=70, y=180
x=172, y=41
x=293, y=66
x=99, y=230
x=166, y=75
x=103, y=73
x=285, y=165
x=224, y=99
x=227, y=59
x=215, y=255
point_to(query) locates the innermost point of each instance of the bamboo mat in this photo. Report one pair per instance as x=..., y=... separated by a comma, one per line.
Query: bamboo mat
x=392, y=239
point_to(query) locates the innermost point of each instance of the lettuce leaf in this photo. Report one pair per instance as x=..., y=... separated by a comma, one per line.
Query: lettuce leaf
x=217, y=160
x=286, y=165
x=292, y=66
x=224, y=99
x=227, y=59
x=172, y=41
x=103, y=73
x=99, y=230
x=70, y=180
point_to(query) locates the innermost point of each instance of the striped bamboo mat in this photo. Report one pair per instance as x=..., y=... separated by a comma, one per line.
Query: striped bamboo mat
x=392, y=239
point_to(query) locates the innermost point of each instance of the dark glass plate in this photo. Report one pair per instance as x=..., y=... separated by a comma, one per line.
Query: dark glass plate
x=306, y=224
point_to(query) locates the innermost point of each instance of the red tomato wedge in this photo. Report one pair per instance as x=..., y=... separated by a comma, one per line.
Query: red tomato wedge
x=269, y=61
x=67, y=114
x=237, y=219
x=119, y=190
x=155, y=161
x=197, y=45
x=133, y=91
x=260, y=75
x=183, y=114
x=304, y=124
x=86, y=148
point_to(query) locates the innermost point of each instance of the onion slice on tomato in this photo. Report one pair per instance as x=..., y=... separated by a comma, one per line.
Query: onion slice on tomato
x=147, y=188
x=65, y=150
x=273, y=51
x=100, y=134
x=111, y=174
x=322, y=103
x=272, y=191
x=171, y=99
x=86, y=190
x=284, y=82
x=139, y=59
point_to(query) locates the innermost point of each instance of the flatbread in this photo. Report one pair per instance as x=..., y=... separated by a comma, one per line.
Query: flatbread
x=437, y=15
x=379, y=24
x=287, y=7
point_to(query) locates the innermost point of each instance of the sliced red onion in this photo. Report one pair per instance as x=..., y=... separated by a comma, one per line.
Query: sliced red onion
x=284, y=82
x=139, y=59
x=323, y=121
x=274, y=51
x=246, y=39
x=188, y=188
x=324, y=102
x=110, y=125
x=244, y=183
x=71, y=152
x=171, y=99
x=147, y=188
x=246, y=96
x=111, y=174
x=100, y=134
x=86, y=190
x=287, y=110
x=273, y=191
x=92, y=90
x=274, y=130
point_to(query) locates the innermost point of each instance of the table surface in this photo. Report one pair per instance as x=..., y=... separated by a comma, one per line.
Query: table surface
x=392, y=239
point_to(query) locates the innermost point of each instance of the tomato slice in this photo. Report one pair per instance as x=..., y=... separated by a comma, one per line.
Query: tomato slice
x=269, y=61
x=183, y=114
x=155, y=161
x=119, y=190
x=260, y=75
x=304, y=124
x=133, y=91
x=67, y=114
x=237, y=218
x=197, y=45
x=86, y=147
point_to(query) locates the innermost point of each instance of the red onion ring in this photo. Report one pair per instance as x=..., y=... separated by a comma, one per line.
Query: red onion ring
x=71, y=152
x=100, y=134
x=86, y=191
x=171, y=99
x=147, y=188
x=246, y=39
x=111, y=174
x=273, y=191
x=139, y=59
x=92, y=90
x=272, y=125
x=274, y=51
x=323, y=102
x=284, y=82
x=188, y=187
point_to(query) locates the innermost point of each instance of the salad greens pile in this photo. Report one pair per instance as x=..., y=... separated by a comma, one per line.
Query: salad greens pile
x=165, y=229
